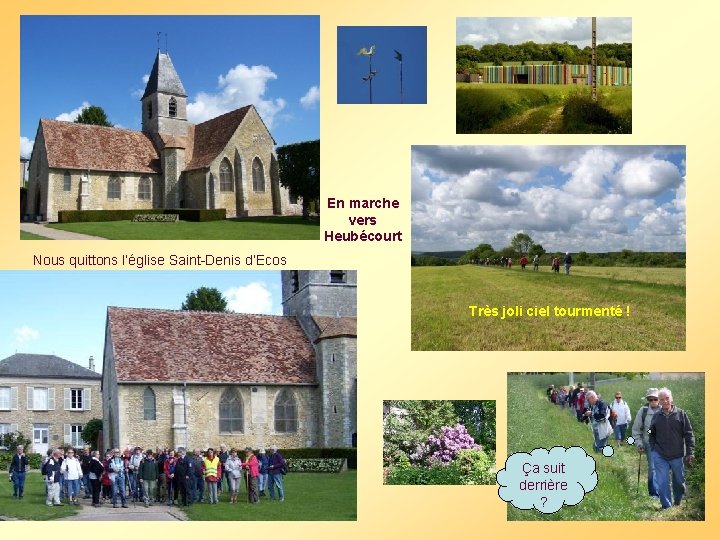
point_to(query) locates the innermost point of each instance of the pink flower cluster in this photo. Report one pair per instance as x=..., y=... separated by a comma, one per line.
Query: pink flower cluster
x=448, y=441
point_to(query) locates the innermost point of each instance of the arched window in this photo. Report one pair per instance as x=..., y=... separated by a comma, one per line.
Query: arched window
x=149, y=404
x=226, y=176
x=285, y=412
x=231, y=412
x=144, y=189
x=113, y=191
x=172, y=107
x=149, y=109
x=67, y=181
x=258, y=174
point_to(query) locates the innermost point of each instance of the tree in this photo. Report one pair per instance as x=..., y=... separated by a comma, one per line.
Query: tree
x=536, y=249
x=300, y=171
x=90, y=432
x=479, y=419
x=93, y=115
x=522, y=243
x=205, y=299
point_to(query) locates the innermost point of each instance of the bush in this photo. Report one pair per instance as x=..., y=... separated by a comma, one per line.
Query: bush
x=445, y=443
x=471, y=467
x=186, y=214
x=155, y=218
x=328, y=465
x=583, y=115
x=322, y=453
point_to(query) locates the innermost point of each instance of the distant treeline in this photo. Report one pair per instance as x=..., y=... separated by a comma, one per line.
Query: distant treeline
x=467, y=57
x=626, y=257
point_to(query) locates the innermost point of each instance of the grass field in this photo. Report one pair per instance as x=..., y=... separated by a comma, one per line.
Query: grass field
x=533, y=422
x=256, y=228
x=513, y=108
x=308, y=497
x=30, y=236
x=441, y=318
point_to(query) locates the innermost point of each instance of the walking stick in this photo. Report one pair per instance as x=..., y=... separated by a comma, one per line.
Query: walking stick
x=637, y=492
x=246, y=474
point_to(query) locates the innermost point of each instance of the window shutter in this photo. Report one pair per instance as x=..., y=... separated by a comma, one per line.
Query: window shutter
x=67, y=435
x=51, y=399
x=86, y=399
x=13, y=428
x=29, y=398
x=66, y=398
x=13, y=398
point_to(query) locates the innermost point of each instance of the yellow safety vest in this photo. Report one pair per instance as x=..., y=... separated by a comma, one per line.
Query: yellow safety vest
x=211, y=467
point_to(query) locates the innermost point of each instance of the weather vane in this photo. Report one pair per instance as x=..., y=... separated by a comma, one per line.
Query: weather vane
x=371, y=74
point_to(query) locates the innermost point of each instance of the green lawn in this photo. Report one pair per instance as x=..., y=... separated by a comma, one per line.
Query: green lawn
x=30, y=236
x=256, y=228
x=32, y=505
x=533, y=422
x=442, y=320
x=308, y=497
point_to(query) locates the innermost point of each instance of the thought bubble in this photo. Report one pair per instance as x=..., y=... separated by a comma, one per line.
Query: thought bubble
x=547, y=479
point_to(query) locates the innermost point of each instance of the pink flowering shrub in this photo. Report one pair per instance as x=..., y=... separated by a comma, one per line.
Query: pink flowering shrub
x=444, y=444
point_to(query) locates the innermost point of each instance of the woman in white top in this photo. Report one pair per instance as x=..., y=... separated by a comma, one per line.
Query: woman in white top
x=72, y=472
x=621, y=411
x=233, y=467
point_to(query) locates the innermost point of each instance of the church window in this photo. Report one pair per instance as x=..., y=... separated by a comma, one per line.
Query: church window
x=231, y=412
x=67, y=181
x=285, y=412
x=337, y=276
x=295, y=279
x=144, y=189
x=258, y=175
x=149, y=109
x=149, y=404
x=226, y=180
x=113, y=191
x=172, y=107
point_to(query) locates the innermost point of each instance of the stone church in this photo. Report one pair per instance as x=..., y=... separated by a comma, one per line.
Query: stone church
x=226, y=162
x=198, y=379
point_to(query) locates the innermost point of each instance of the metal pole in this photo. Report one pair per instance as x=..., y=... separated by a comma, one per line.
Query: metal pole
x=593, y=67
x=401, y=88
x=371, y=78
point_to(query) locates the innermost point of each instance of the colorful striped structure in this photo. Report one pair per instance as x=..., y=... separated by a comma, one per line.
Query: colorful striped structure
x=556, y=74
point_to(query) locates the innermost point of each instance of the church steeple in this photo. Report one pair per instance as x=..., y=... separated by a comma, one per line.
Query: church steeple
x=164, y=101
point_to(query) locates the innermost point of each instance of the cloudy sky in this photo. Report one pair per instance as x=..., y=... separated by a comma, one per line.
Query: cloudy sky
x=70, y=62
x=512, y=31
x=72, y=325
x=567, y=198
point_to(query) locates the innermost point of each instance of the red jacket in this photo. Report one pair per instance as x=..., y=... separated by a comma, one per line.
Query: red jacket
x=253, y=465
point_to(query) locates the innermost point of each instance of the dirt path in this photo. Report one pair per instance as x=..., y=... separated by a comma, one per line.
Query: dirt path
x=543, y=119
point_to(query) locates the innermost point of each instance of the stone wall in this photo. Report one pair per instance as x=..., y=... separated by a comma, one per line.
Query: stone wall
x=339, y=389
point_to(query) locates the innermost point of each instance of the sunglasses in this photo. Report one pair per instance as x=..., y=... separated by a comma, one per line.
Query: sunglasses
x=652, y=399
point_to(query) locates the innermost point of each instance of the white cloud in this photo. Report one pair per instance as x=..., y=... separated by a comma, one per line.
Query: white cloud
x=72, y=115
x=647, y=176
x=311, y=98
x=254, y=297
x=240, y=86
x=25, y=335
x=138, y=92
x=26, y=147
x=587, y=174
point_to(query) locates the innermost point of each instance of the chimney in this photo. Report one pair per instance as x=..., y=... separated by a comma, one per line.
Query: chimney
x=91, y=364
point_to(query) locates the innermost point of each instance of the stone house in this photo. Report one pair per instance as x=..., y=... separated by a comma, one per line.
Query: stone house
x=226, y=162
x=48, y=399
x=198, y=379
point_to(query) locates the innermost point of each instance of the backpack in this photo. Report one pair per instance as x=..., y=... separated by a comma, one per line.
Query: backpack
x=44, y=468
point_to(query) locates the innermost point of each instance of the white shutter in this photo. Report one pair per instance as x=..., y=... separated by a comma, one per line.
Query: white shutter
x=86, y=399
x=66, y=398
x=67, y=434
x=13, y=428
x=30, y=398
x=13, y=398
x=51, y=399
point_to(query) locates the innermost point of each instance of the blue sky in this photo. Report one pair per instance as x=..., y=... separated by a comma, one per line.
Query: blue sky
x=63, y=312
x=410, y=41
x=224, y=63
x=479, y=31
x=567, y=198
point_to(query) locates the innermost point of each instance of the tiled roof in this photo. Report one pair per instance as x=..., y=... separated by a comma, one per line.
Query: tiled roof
x=43, y=366
x=164, y=78
x=206, y=347
x=82, y=146
x=211, y=137
x=336, y=326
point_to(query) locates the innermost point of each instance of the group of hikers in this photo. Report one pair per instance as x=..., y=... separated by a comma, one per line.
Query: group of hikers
x=661, y=430
x=507, y=262
x=161, y=476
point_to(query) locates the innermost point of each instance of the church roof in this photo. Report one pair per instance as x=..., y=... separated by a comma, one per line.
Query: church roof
x=204, y=347
x=211, y=137
x=82, y=146
x=44, y=366
x=164, y=78
x=331, y=327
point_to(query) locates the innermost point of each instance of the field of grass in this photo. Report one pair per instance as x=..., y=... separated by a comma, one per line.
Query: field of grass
x=30, y=236
x=513, y=108
x=441, y=318
x=533, y=422
x=255, y=228
x=32, y=505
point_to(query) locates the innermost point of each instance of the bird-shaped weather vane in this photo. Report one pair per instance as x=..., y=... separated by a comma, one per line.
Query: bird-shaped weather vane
x=371, y=74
